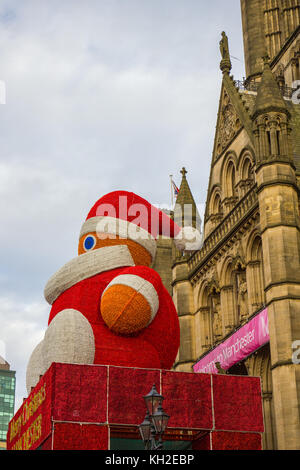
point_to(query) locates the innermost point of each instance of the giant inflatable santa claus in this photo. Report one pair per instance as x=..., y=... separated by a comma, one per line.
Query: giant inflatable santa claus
x=108, y=306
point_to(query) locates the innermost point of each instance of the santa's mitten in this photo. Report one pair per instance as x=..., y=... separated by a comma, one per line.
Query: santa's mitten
x=35, y=367
x=130, y=301
x=69, y=339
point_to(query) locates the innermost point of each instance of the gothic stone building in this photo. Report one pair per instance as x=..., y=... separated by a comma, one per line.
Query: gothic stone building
x=250, y=259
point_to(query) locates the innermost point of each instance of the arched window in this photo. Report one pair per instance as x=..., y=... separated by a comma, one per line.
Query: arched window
x=209, y=316
x=202, y=320
x=230, y=180
x=228, y=297
x=217, y=204
x=247, y=172
x=215, y=208
x=256, y=274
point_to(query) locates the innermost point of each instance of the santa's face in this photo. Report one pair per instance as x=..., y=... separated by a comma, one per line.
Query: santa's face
x=93, y=241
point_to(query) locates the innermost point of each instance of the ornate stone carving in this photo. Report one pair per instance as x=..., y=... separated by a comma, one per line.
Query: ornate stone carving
x=243, y=299
x=229, y=124
x=239, y=261
x=217, y=318
x=225, y=64
x=212, y=286
x=224, y=47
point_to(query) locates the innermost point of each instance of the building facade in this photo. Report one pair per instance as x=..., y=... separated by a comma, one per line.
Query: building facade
x=250, y=259
x=7, y=399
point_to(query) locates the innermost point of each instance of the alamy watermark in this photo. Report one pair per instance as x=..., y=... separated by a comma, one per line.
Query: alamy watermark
x=296, y=353
x=147, y=221
x=296, y=92
x=2, y=92
x=2, y=351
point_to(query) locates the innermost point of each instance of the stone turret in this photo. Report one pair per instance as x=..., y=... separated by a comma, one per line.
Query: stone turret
x=269, y=97
x=271, y=121
x=185, y=207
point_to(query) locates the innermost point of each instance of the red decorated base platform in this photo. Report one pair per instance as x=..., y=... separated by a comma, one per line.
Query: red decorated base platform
x=91, y=407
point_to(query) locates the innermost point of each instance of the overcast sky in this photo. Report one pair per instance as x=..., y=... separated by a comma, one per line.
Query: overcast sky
x=100, y=95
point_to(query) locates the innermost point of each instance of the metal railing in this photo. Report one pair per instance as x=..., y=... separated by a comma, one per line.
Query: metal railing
x=286, y=91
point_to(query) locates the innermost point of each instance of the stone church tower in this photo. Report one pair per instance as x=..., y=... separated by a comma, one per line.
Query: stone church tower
x=250, y=259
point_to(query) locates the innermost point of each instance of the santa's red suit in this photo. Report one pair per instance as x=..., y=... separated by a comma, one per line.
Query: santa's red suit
x=105, y=308
x=155, y=346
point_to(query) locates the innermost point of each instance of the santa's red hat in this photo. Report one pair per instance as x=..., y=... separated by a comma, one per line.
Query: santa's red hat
x=129, y=216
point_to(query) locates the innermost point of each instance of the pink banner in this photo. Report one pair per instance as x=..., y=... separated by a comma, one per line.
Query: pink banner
x=238, y=346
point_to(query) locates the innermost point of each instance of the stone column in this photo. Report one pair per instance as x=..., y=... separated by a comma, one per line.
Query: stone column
x=227, y=305
x=255, y=285
x=263, y=144
x=295, y=68
x=268, y=437
x=183, y=300
x=274, y=149
x=204, y=330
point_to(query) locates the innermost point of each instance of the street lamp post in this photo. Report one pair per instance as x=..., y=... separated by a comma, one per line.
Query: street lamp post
x=155, y=422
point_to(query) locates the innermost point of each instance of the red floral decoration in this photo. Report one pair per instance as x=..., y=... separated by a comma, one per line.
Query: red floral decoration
x=126, y=390
x=73, y=406
x=236, y=441
x=187, y=399
x=73, y=436
x=80, y=393
x=237, y=403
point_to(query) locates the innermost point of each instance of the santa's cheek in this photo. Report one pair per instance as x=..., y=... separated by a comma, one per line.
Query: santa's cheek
x=124, y=310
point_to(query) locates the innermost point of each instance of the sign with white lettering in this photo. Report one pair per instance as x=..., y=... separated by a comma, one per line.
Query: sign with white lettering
x=238, y=346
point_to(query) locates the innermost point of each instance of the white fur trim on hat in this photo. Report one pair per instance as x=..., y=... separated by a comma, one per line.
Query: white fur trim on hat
x=189, y=239
x=122, y=228
x=87, y=265
x=142, y=286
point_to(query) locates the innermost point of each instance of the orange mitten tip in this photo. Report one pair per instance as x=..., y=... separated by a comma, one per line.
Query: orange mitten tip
x=124, y=310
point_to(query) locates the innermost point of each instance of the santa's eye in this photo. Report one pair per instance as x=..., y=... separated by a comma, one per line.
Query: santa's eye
x=89, y=243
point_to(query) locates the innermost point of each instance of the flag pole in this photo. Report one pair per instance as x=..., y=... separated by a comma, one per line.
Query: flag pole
x=172, y=200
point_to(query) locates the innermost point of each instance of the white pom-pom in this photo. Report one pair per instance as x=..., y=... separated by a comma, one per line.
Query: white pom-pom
x=188, y=239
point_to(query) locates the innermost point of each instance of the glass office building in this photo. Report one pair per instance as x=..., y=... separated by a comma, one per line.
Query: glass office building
x=7, y=399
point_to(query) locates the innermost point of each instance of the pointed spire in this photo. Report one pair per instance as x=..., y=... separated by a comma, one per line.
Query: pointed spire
x=269, y=97
x=185, y=195
x=187, y=203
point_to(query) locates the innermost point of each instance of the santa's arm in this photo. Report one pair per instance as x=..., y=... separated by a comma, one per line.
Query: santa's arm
x=131, y=300
x=69, y=339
